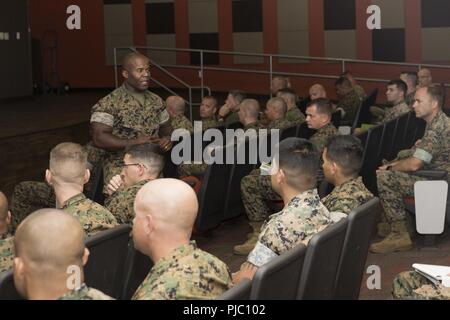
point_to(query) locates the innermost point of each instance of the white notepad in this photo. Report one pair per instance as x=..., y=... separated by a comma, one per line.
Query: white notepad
x=433, y=273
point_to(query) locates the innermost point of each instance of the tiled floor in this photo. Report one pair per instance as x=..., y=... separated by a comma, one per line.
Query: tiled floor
x=223, y=238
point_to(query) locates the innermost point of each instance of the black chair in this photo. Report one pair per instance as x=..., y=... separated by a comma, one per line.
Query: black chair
x=279, y=278
x=399, y=135
x=95, y=192
x=137, y=267
x=336, y=119
x=211, y=197
x=305, y=132
x=105, y=267
x=387, y=139
x=7, y=288
x=235, y=125
x=420, y=129
x=371, y=158
x=288, y=133
x=320, y=268
x=361, y=223
x=240, y=291
x=363, y=114
x=233, y=202
x=410, y=131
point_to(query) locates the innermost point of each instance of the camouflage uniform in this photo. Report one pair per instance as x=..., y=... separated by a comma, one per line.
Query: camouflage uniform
x=121, y=202
x=280, y=124
x=396, y=111
x=298, y=222
x=29, y=196
x=359, y=90
x=320, y=138
x=295, y=116
x=230, y=118
x=130, y=115
x=350, y=104
x=411, y=284
x=257, y=188
x=181, y=122
x=92, y=216
x=187, y=273
x=85, y=293
x=433, y=150
x=348, y=196
x=210, y=123
x=6, y=251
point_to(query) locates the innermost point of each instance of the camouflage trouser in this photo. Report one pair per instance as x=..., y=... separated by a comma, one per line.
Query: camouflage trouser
x=28, y=197
x=256, y=189
x=392, y=187
x=192, y=169
x=411, y=284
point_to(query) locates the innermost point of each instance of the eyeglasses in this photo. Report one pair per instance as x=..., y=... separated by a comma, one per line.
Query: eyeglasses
x=123, y=164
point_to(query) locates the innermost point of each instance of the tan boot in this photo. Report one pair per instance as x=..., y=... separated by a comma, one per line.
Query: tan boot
x=247, y=246
x=383, y=229
x=397, y=240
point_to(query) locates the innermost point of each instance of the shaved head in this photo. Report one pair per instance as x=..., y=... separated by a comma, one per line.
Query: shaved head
x=130, y=59
x=48, y=241
x=425, y=78
x=317, y=91
x=166, y=208
x=68, y=163
x=175, y=105
x=3, y=207
x=278, y=104
x=251, y=107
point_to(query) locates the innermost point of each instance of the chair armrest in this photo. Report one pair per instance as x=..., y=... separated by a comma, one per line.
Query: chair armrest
x=431, y=174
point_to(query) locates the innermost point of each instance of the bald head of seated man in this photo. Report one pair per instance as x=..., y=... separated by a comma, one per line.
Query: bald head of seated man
x=67, y=174
x=425, y=78
x=175, y=106
x=276, y=109
x=49, y=258
x=249, y=112
x=317, y=91
x=279, y=83
x=6, y=238
x=5, y=215
x=166, y=210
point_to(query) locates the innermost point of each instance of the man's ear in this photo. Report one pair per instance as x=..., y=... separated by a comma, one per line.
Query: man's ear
x=48, y=177
x=86, y=254
x=8, y=218
x=125, y=74
x=87, y=176
x=334, y=167
x=280, y=176
x=149, y=225
x=19, y=267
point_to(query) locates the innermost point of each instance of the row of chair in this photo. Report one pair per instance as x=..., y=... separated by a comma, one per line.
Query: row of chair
x=331, y=267
x=114, y=266
x=385, y=141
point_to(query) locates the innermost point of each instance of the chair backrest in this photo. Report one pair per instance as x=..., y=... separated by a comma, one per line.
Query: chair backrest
x=233, y=205
x=105, y=267
x=370, y=158
x=387, y=139
x=420, y=129
x=137, y=267
x=363, y=114
x=410, y=131
x=279, y=278
x=95, y=192
x=305, y=132
x=7, y=288
x=240, y=291
x=336, y=119
x=431, y=206
x=211, y=196
x=318, y=276
x=288, y=133
x=361, y=223
x=399, y=135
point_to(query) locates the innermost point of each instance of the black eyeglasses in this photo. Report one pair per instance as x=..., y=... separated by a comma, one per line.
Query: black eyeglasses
x=128, y=164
